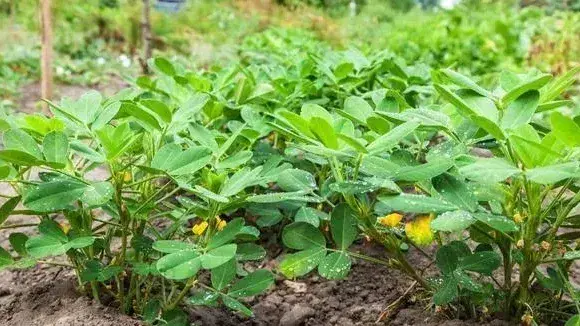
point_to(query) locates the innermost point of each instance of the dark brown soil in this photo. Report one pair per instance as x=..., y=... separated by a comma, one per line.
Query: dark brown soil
x=360, y=299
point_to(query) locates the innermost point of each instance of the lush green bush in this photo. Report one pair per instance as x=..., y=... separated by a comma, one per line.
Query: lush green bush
x=327, y=147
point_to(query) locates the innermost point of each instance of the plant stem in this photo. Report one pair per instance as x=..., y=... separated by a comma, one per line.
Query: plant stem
x=15, y=226
x=182, y=294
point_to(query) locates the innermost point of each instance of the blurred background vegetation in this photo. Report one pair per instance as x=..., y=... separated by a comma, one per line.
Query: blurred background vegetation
x=96, y=40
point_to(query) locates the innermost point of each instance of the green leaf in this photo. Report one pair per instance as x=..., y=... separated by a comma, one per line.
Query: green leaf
x=533, y=83
x=427, y=117
x=7, y=208
x=55, y=148
x=521, y=110
x=455, y=192
x=484, y=262
x=221, y=276
x=497, y=222
x=489, y=170
x=240, y=180
x=159, y=108
x=447, y=259
x=19, y=158
x=151, y=311
x=172, y=246
x=267, y=216
x=175, y=317
x=106, y=115
x=95, y=271
x=490, y=126
x=44, y=246
x=353, y=142
x=97, y=194
x=164, y=66
x=18, y=139
x=226, y=235
x=466, y=82
x=299, y=196
x=573, y=321
x=143, y=116
x=343, y=226
x=447, y=292
x=358, y=108
x=250, y=251
x=79, y=243
x=559, y=85
x=324, y=132
x=296, y=180
x=526, y=144
x=378, y=124
x=52, y=229
x=253, y=284
x=424, y=171
x=204, y=298
x=236, y=305
x=260, y=90
x=87, y=152
x=391, y=139
x=452, y=221
x=235, y=160
x=203, y=136
x=171, y=159
x=308, y=215
x=207, y=194
x=18, y=243
x=297, y=122
x=379, y=167
x=335, y=266
x=218, y=256
x=180, y=265
x=416, y=204
x=302, y=262
x=565, y=129
x=53, y=195
x=87, y=106
x=552, y=174
x=301, y=235
x=309, y=111
x=463, y=108
x=5, y=258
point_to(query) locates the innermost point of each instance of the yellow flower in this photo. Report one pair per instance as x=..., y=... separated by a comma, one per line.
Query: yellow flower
x=391, y=220
x=518, y=218
x=221, y=224
x=199, y=228
x=127, y=176
x=65, y=227
x=419, y=230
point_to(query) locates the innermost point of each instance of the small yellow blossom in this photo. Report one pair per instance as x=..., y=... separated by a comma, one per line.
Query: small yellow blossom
x=127, y=176
x=546, y=246
x=391, y=220
x=199, y=228
x=419, y=230
x=527, y=319
x=520, y=244
x=518, y=218
x=221, y=224
x=65, y=227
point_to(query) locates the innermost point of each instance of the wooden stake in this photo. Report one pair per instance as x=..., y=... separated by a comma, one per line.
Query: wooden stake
x=46, y=83
x=146, y=35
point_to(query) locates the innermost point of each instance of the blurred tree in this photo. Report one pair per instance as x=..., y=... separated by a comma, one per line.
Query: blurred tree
x=46, y=84
x=146, y=35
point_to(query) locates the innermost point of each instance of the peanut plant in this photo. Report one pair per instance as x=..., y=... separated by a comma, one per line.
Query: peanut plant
x=157, y=197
